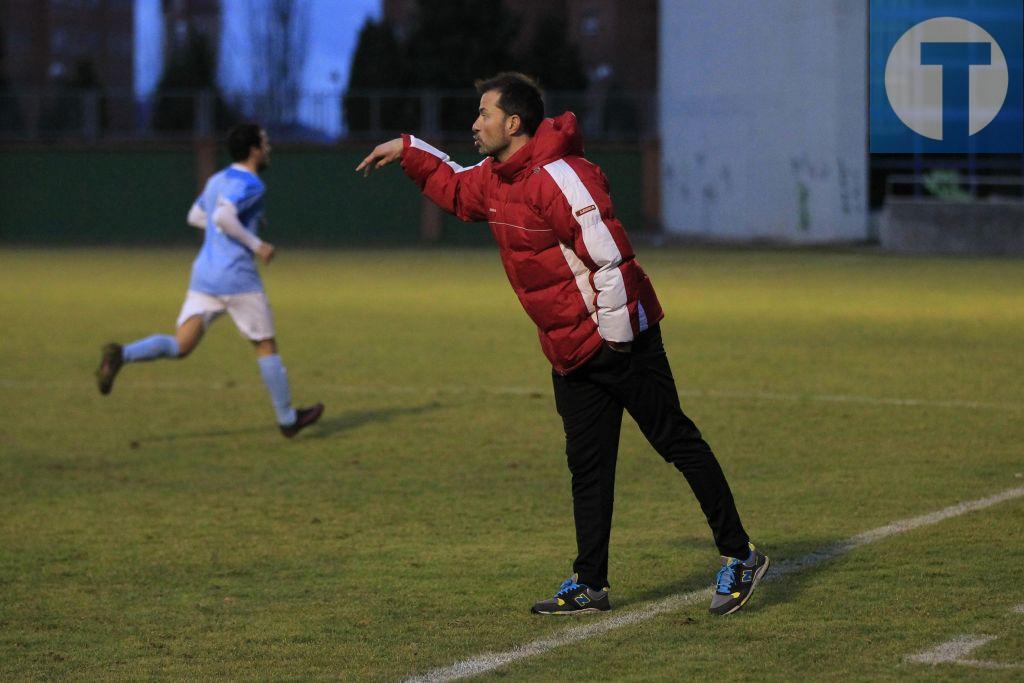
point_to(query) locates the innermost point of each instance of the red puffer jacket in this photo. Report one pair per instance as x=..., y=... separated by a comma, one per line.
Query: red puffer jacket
x=565, y=253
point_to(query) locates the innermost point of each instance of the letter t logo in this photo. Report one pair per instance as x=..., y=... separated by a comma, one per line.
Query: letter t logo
x=956, y=60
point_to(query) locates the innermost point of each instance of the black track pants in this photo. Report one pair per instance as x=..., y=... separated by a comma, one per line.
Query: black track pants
x=590, y=401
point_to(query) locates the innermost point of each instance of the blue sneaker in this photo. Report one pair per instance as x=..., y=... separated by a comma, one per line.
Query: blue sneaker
x=735, y=582
x=574, y=598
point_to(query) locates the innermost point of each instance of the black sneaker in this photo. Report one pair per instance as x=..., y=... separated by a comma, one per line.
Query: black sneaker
x=736, y=581
x=110, y=364
x=303, y=418
x=574, y=598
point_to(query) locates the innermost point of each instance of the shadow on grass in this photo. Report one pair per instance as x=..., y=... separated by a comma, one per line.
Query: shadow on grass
x=331, y=425
x=326, y=427
x=768, y=593
x=179, y=436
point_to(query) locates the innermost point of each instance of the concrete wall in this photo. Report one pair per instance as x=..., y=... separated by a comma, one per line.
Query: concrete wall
x=931, y=226
x=763, y=119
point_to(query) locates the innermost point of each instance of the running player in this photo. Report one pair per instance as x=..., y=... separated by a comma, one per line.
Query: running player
x=225, y=279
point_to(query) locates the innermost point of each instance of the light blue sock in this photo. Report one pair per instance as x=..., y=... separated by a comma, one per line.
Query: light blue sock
x=151, y=348
x=276, y=378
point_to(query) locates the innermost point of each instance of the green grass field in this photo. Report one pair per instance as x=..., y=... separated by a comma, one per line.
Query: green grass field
x=168, y=531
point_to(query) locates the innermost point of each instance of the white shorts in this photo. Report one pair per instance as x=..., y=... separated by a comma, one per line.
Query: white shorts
x=250, y=311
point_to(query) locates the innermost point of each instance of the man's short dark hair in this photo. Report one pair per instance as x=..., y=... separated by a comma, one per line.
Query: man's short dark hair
x=242, y=138
x=518, y=94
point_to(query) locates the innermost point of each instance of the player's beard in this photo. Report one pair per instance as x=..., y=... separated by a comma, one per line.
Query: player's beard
x=489, y=151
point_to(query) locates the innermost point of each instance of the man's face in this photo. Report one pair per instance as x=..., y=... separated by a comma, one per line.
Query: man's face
x=263, y=152
x=491, y=133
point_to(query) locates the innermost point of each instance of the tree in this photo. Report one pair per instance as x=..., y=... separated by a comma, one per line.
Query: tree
x=452, y=44
x=377, y=65
x=66, y=110
x=458, y=41
x=551, y=58
x=190, y=71
x=10, y=114
x=278, y=31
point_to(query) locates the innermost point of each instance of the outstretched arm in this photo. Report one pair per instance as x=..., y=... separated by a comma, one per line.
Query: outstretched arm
x=456, y=189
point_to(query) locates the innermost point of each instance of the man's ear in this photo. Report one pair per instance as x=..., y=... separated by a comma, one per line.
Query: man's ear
x=513, y=124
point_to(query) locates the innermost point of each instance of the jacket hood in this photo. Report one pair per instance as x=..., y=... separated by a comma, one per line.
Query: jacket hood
x=555, y=138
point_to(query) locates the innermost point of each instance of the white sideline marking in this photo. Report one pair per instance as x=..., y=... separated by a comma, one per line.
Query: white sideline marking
x=853, y=398
x=483, y=663
x=952, y=651
x=532, y=391
x=1019, y=609
x=956, y=651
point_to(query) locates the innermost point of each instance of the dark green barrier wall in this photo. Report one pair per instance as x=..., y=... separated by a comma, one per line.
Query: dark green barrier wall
x=52, y=196
x=140, y=197
x=315, y=198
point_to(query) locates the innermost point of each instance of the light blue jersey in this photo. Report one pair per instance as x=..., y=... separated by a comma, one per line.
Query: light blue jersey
x=223, y=265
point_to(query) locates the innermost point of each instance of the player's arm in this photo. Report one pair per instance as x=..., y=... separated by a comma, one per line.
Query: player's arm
x=454, y=188
x=225, y=217
x=580, y=214
x=197, y=217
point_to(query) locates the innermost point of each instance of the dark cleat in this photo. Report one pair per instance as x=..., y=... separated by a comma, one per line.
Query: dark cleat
x=736, y=582
x=110, y=364
x=303, y=418
x=573, y=598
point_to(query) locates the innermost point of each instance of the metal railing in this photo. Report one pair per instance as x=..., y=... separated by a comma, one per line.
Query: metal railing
x=94, y=115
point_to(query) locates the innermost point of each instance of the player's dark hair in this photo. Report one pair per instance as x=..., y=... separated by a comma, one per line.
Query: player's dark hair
x=519, y=95
x=242, y=138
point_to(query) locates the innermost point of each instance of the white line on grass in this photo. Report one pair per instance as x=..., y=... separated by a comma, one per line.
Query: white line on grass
x=853, y=398
x=480, y=664
x=951, y=651
x=536, y=391
x=956, y=651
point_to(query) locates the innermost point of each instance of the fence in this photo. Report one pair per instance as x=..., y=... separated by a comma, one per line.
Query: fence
x=93, y=115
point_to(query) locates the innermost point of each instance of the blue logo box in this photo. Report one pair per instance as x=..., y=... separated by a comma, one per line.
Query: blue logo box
x=931, y=54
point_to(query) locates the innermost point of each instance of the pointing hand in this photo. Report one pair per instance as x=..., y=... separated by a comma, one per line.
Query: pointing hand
x=382, y=155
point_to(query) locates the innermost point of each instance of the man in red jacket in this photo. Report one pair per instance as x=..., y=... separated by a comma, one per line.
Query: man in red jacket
x=570, y=263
